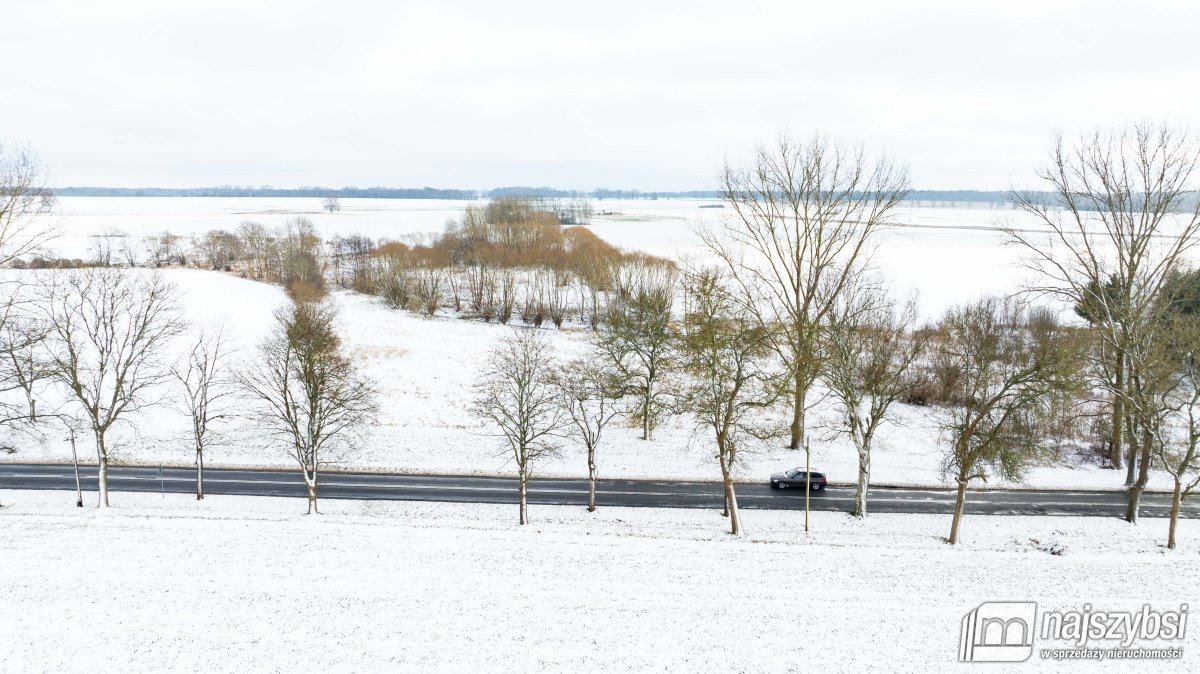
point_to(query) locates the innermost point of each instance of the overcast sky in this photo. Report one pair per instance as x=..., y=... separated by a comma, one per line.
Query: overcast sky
x=652, y=95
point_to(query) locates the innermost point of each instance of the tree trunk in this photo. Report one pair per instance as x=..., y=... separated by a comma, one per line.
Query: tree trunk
x=521, y=495
x=78, y=484
x=591, y=479
x=735, y=524
x=958, y=510
x=1131, y=449
x=1175, y=502
x=102, y=471
x=1118, y=415
x=646, y=404
x=1135, y=492
x=310, y=484
x=797, y=428
x=311, y=492
x=200, y=476
x=864, y=481
x=730, y=510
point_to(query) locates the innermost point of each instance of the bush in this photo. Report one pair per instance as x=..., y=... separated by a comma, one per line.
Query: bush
x=303, y=291
x=39, y=262
x=393, y=285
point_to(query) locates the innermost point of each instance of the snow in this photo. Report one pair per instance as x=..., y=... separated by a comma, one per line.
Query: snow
x=948, y=254
x=251, y=584
x=425, y=369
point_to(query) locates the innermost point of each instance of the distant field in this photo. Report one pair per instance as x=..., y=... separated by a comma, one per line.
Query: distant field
x=953, y=255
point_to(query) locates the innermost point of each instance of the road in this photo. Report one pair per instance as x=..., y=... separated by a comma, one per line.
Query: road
x=636, y=493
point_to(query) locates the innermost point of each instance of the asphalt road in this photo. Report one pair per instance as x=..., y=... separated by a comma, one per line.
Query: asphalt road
x=636, y=493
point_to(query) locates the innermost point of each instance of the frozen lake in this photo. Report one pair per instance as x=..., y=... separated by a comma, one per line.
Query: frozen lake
x=947, y=254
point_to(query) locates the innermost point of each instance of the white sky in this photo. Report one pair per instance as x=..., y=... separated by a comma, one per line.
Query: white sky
x=643, y=94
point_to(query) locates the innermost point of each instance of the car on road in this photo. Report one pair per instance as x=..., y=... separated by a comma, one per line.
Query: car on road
x=796, y=478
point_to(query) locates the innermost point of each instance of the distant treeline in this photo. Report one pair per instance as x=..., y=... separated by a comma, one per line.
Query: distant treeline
x=436, y=193
x=267, y=191
x=376, y=192
x=959, y=195
x=599, y=193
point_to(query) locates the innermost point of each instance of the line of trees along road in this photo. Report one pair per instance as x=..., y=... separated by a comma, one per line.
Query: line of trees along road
x=791, y=312
x=101, y=336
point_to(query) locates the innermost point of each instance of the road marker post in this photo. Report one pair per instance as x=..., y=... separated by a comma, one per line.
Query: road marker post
x=807, y=483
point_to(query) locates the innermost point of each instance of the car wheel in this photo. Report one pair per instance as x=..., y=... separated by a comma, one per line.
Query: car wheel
x=782, y=485
x=818, y=487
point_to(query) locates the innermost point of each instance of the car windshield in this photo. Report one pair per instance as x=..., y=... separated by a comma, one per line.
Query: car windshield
x=794, y=472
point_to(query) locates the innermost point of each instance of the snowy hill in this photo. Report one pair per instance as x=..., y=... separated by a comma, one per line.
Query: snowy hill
x=425, y=369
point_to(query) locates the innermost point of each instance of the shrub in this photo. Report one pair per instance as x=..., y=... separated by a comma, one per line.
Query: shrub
x=303, y=291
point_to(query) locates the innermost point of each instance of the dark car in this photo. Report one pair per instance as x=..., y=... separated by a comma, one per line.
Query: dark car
x=796, y=478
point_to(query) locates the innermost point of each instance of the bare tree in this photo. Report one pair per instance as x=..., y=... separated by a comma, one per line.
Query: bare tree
x=259, y=247
x=870, y=361
x=1117, y=224
x=22, y=364
x=219, y=249
x=311, y=397
x=639, y=339
x=533, y=310
x=127, y=250
x=480, y=281
x=1008, y=364
x=804, y=216
x=1181, y=457
x=591, y=392
x=350, y=256
x=726, y=355
x=427, y=288
x=516, y=393
x=506, y=298
x=393, y=282
x=107, y=331
x=206, y=394
x=1175, y=431
x=163, y=249
x=1182, y=462
x=557, y=300
x=101, y=248
x=331, y=203
x=24, y=201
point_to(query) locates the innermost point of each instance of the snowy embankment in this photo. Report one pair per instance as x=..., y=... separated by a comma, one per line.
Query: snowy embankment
x=425, y=369
x=250, y=584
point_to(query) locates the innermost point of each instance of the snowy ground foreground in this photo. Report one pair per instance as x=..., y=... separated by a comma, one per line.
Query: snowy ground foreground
x=425, y=369
x=250, y=584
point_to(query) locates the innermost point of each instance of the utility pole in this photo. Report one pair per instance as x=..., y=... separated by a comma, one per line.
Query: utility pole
x=75, y=458
x=807, y=483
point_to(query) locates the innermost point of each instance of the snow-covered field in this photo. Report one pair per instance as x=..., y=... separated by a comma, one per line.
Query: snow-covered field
x=948, y=254
x=425, y=369
x=250, y=584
